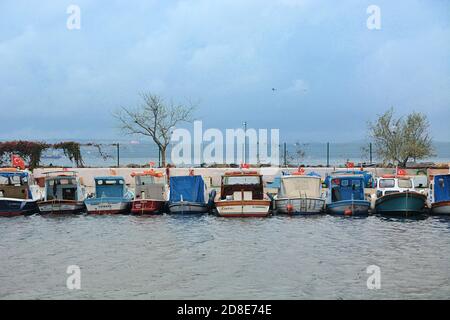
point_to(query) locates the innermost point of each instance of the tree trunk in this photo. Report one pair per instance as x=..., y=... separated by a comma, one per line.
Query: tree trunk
x=162, y=149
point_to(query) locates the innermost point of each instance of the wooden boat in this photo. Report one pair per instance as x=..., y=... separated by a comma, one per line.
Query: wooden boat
x=345, y=196
x=299, y=195
x=242, y=195
x=63, y=194
x=111, y=196
x=187, y=195
x=397, y=196
x=16, y=196
x=150, y=195
x=439, y=195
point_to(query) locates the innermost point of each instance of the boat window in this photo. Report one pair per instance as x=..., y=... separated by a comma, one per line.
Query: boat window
x=66, y=181
x=356, y=184
x=344, y=183
x=109, y=182
x=4, y=181
x=144, y=180
x=245, y=180
x=387, y=183
x=404, y=183
x=441, y=183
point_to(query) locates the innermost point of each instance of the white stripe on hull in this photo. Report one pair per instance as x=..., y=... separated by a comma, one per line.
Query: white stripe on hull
x=299, y=205
x=60, y=207
x=243, y=210
x=106, y=207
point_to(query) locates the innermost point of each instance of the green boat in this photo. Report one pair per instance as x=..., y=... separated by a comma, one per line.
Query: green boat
x=397, y=197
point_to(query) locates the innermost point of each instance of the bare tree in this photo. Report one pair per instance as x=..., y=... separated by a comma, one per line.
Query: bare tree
x=154, y=118
x=399, y=140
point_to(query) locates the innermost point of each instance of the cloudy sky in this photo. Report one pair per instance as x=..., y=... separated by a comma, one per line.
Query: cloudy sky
x=331, y=73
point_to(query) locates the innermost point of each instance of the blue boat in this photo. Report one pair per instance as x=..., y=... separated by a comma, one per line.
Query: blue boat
x=111, y=196
x=187, y=195
x=440, y=194
x=16, y=197
x=346, y=196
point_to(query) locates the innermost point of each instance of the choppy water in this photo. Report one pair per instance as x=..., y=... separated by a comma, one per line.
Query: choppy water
x=167, y=257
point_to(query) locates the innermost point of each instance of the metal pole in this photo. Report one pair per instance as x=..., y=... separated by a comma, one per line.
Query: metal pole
x=285, y=155
x=245, y=141
x=118, y=155
x=370, y=152
x=328, y=154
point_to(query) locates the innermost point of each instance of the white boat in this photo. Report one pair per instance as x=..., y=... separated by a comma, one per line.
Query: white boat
x=242, y=195
x=299, y=195
x=63, y=194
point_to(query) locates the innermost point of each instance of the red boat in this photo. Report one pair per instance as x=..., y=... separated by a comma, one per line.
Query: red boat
x=150, y=193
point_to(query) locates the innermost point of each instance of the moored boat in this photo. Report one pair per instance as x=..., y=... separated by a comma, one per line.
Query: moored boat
x=242, y=195
x=345, y=196
x=16, y=196
x=111, y=196
x=150, y=194
x=439, y=194
x=187, y=195
x=396, y=196
x=299, y=195
x=63, y=194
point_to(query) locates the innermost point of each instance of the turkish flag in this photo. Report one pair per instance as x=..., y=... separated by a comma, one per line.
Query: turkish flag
x=401, y=172
x=350, y=164
x=17, y=162
x=245, y=166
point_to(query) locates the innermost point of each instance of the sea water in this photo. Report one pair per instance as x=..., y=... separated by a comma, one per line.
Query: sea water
x=206, y=257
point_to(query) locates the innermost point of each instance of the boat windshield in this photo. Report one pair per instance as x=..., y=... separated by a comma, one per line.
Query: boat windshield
x=145, y=180
x=244, y=180
x=404, y=183
x=387, y=183
x=13, y=180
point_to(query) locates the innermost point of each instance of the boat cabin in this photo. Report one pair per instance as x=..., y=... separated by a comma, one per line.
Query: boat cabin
x=14, y=184
x=148, y=188
x=391, y=184
x=63, y=187
x=300, y=187
x=242, y=186
x=346, y=188
x=110, y=187
x=440, y=188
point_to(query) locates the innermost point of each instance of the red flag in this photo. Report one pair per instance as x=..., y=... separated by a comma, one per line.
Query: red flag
x=401, y=172
x=245, y=166
x=191, y=172
x=17, y=162
x=350, y=164
x=151, y=163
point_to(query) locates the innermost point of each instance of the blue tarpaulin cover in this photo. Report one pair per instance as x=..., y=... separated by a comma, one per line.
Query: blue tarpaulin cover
x=192, y=188
x=441, y=188
x=347, y=188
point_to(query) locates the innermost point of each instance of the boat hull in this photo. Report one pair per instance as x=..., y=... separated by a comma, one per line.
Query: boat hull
x=10, y=207
x=61, y=207
x=349, y=208
x=188, y=208
x=401, y=204
x=106, y=207
x=299, y=206
x=440, y=208
x=147, y=206
x=243, y=208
